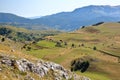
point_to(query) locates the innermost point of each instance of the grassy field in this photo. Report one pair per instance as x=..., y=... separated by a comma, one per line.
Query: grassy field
x=104, y=37
x=94, y=76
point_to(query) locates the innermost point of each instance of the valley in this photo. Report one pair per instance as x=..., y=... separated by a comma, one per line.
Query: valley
x=59, y=40
x=97, y=44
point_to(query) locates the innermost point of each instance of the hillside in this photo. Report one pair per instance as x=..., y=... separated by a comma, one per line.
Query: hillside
x=22, y=34
x=15, y=65
x=29, y=26
x=67, y=21
x=84, y=52
x=99, y=45
x=7, y=17
x=14, y=20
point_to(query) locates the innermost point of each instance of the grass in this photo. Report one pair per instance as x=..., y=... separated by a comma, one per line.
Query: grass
x=47, y=44
x=94, y=75
x=106, y=37
x=44, y=52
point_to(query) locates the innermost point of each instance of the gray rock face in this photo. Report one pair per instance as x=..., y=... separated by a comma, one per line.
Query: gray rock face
x=7, y=61
x=41, y=68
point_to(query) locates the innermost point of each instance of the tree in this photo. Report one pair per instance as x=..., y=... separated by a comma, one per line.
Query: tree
x=58, y=44
x=85, y=66
x=73, y=45
x=82, y=27
x=61, y=41
x=28, y=48
x=5, y=31
x=94, y=48
x=79, y=65
x=3, y=39
x=82, y=44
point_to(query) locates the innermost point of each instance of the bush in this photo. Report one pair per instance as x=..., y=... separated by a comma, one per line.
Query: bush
x=82, y=44
x=58, y=44
x=82, y=27
x=3, y=39
x=28, y=48
x=5, y=31
x=79, y=65
x=73, y=45
x=94, y=48
x=85, y=66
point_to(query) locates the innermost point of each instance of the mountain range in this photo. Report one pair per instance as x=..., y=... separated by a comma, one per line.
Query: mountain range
x=69, y=21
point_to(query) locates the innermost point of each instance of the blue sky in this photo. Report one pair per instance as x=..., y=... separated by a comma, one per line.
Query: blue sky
x=30, y=8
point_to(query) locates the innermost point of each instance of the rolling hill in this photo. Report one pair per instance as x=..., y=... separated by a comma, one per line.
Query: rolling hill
x=8, y=17
x=21, y=34
x=100, y=44
x=14, y=20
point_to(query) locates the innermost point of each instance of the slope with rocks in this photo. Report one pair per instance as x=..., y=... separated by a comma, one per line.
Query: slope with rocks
x=39, y=68
x=15, y=65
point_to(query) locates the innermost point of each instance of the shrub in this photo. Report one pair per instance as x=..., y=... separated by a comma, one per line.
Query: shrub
x=28, y=48
x=82, y=27
x=82, y=44
x=5, y=31
x=79, y=65
x=3, y=39
x=73, y=45
x=58, y=44
x=94, y=48
x=85, y=66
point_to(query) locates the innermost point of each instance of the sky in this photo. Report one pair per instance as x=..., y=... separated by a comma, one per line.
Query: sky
x=31, y=8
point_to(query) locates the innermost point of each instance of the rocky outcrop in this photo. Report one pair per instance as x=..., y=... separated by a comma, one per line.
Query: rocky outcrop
x=41, y=68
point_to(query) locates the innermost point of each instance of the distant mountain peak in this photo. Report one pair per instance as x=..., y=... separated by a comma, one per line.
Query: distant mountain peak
x=69, y=21
x=97, y=7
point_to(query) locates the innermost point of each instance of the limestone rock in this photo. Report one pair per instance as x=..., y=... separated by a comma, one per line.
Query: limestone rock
x=41, y=68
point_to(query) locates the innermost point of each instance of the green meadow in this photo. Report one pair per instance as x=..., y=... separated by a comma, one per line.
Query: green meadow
x=104, y=37
x=101, y=43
